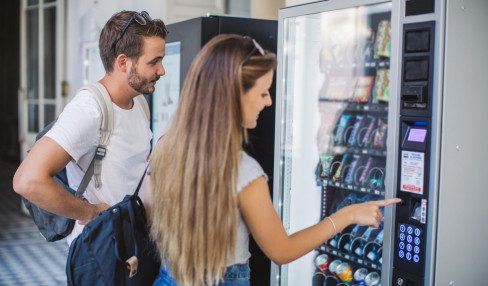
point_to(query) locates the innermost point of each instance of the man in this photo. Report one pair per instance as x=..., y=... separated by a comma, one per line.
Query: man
x=132, y=47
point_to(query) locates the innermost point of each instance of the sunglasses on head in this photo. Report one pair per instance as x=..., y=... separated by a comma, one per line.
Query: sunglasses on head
x=141, y=18
x=256, y=48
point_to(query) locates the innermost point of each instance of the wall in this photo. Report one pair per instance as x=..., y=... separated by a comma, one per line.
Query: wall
x=266, y=9
x=85, y=20
x=298, y=2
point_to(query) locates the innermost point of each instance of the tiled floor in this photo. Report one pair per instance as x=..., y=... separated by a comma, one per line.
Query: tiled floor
x=25, y=257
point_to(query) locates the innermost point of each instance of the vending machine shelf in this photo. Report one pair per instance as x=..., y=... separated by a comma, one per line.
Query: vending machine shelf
x=350, y=257
x=347, y=187
x=380, y=63
x=361, y=151
x=369, y=107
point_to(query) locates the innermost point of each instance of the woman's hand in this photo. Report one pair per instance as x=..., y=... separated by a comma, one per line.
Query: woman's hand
x=368, y=213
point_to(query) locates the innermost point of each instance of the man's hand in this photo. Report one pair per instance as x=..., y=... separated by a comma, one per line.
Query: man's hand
x=96, y=210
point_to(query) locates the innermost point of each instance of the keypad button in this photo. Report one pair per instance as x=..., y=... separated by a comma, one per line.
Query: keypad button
x=402, y=228
x=416, y=249
x=402, y=245
x=402, y=236
x=409, y=247
x=417, y=231
x=417, y=241
x=409, y=239
x=401, y=254
x=409, y=230
x=408, y=256
x=416, y=258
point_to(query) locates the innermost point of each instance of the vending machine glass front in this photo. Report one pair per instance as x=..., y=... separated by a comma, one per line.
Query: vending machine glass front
x=333, y=128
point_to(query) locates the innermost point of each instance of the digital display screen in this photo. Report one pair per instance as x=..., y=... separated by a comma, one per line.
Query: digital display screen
x=417, y=135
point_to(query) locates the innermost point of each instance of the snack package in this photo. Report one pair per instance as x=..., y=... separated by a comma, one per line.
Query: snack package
x=344, y=122
x=382, y=45
x=379, y=139
x=363, y=178
x=381, y=90
x=362, y=89
x=351, y=141
x=365, y=137
x=352, y=169
x=325, y=162
x=338, y=175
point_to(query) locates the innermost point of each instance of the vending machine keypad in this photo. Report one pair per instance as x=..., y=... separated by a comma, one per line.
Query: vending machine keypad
x=410, y=238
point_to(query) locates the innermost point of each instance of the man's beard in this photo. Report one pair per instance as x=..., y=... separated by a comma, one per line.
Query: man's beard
x=140, y=84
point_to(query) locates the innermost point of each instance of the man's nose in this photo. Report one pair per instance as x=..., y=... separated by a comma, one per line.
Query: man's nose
x=161, y=71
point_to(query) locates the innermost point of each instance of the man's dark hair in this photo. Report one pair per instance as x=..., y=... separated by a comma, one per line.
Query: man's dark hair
x=111, y=44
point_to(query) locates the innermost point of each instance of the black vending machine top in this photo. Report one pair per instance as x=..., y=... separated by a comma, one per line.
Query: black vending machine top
x=184, y=41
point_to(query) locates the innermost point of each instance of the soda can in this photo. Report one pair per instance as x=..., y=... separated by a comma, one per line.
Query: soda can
x=322, y=261
x=333, y=266
x=344, y=272
x=359, y=276
x=372, y=279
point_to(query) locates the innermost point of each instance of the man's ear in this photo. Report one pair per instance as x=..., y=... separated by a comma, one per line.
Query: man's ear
x=121, y=63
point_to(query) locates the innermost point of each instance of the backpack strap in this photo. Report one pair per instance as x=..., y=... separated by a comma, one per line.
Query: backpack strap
x=145, y=106
x=106, y=127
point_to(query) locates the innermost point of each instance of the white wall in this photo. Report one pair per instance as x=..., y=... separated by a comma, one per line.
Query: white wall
x=298, y=2
x=85, y=20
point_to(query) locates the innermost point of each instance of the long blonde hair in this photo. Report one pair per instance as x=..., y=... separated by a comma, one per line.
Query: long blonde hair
x=195, y=165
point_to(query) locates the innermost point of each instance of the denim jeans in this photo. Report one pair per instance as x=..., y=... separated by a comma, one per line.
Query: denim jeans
x=235, y=275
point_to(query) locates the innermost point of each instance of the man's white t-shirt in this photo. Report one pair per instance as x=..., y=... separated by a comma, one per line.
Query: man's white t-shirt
x=77, y=132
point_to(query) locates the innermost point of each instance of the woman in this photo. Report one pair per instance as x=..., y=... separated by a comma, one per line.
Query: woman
x=206, y=193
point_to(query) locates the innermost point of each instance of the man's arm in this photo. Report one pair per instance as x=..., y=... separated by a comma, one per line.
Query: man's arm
x=34, y=181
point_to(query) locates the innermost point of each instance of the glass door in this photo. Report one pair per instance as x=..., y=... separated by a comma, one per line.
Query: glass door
x=334, y=120
x=42, y=39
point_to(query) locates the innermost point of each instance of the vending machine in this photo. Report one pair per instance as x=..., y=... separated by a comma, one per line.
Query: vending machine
x=184, y=41
x=380, y=99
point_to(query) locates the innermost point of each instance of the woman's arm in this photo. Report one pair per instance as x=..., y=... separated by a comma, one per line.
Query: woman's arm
x=267, y=229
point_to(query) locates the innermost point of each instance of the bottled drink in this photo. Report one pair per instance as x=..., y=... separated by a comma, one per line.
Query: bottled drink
x=356, y=231
x=349, y=200
x=333, y=242
x=333, y=266
x=322, y=261
x=378, y=241
x=344, y=272
x=359, y=276
x=318, y=279
x=370, y=232
x=372, y=279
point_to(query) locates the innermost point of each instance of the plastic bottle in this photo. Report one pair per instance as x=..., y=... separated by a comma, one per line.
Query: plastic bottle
x=372, y=279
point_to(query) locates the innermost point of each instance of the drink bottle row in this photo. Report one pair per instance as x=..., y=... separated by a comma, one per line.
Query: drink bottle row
x=341, y=273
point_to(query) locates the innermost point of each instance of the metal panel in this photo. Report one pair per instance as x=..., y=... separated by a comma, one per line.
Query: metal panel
x=461, y=251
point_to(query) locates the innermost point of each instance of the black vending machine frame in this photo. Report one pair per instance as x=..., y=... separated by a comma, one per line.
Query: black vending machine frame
x=193, y=34
x=416, y=99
